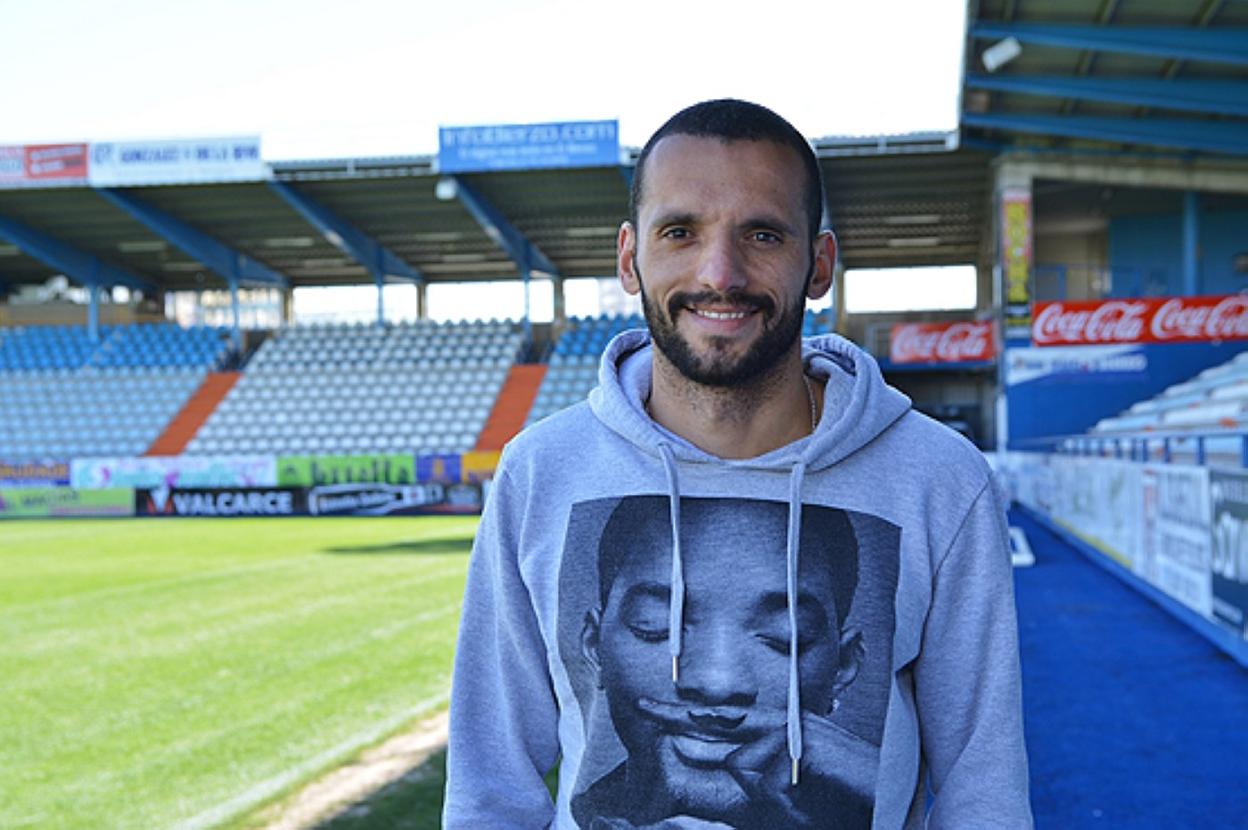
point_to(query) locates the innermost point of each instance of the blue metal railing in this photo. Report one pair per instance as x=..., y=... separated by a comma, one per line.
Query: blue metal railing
x=1154, y=445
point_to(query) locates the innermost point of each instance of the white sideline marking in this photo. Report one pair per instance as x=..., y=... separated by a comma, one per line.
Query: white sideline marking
x=252, y=796
x=1020, y=549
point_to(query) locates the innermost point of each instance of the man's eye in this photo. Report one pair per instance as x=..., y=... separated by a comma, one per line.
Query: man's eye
x=676, y=233
x=780, y=644
x=649, y=633
x=765, y=236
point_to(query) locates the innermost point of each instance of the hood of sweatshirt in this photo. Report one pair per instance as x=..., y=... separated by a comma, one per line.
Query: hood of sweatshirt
x=857, y=404
x=857, y=407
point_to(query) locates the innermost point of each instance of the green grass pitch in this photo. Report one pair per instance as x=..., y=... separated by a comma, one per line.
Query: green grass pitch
x=178, y=673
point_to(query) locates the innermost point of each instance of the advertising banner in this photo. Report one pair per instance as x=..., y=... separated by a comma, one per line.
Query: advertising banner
x=12, y=165
x=34, y=474
x=1016, y=256
x=479, y=465
x=442, y=469
x=34, y=164
x=1147, y=320
x=314, y=471
x=1175, y=530
x=1099, y=499
x=1229, y=555
x=221, y=501
x=942, y=342
x=175, y=471
x=60, y=502
x=393, y=500
x=528, y=146
x=1024, y=365
x=176, y=161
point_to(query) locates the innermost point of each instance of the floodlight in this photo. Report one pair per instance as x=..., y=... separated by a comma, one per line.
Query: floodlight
x=446, y=189
x=1000, y=53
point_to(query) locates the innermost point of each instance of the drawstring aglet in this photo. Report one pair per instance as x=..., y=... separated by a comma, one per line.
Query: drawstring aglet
x=794, y=772
x=675, y=668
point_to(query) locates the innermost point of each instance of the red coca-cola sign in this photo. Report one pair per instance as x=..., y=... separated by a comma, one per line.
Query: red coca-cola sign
x=1151, y=320
x=942, y=342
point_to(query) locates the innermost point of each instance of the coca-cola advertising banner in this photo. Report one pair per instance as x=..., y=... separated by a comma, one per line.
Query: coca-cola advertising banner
x=1148, y=320
x=942, y=343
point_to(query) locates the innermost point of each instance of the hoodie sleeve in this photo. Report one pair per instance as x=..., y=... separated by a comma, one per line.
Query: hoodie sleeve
x=968, y=684
x=504, y=718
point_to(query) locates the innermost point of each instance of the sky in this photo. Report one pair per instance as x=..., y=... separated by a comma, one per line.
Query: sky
x=317, y=79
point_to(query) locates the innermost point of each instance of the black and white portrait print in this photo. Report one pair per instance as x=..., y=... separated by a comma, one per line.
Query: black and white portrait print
x=708, y=749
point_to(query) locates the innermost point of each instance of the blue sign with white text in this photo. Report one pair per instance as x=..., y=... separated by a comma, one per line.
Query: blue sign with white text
x=528, y=146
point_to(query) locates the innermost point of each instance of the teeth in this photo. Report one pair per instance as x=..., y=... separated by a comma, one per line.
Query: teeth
x=721, y=315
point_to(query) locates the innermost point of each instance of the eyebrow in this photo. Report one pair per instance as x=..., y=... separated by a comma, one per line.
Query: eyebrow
x=777, y=602
x=685, y=217
x=645, y=590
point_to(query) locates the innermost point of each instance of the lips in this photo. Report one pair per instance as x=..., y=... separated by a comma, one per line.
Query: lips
x=719, y=307
x=698, y=749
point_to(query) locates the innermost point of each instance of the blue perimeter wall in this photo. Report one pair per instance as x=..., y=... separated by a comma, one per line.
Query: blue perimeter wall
x=1146, y=253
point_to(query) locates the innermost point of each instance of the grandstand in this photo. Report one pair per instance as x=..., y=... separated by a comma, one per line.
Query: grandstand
x=64, y=396
x=335, y=389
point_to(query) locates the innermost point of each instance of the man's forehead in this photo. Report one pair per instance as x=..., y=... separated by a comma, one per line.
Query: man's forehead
x=683, y=157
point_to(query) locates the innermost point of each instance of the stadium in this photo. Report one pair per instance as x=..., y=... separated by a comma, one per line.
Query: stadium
x=234, y=537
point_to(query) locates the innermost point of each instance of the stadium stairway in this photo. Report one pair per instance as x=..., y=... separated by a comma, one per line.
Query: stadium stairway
x=511, y=408
x=187, y=422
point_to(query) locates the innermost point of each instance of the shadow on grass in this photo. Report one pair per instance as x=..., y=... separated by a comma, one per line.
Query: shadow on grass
x=423, y=546
x=411, y=802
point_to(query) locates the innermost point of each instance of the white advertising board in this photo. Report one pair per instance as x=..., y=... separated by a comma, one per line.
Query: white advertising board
x=1175, y=544
x=176, y=161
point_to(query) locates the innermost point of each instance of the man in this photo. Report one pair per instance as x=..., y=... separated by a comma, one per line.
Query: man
x=722, y=401
x=708, y=746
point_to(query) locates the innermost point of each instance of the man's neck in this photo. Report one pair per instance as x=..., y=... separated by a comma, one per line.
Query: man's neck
x=735, y=422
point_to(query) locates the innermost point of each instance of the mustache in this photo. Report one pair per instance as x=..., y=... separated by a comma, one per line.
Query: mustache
x=755, y=302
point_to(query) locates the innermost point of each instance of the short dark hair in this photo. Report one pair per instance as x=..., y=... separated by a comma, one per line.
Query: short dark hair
x=729, y=119
x=642, y=525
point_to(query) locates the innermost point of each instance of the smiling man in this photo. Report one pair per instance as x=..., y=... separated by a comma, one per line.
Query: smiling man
x=660, y=599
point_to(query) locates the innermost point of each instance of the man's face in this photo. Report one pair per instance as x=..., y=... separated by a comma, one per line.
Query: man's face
x=722, y=256
x=733, y=680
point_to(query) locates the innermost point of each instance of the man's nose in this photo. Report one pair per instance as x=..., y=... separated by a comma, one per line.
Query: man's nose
x=720, y=267
x=712, y=671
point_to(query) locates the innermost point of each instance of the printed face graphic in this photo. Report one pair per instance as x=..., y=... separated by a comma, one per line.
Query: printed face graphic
x=686, y=740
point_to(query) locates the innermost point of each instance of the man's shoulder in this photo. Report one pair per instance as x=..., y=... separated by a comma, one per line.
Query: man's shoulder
x=557, y=433
x=931, y=445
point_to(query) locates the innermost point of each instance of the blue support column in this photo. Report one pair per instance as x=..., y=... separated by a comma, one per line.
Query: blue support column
x=523, y=253
x=1191, y=243
x=80, y=266
x=218, y=257
x=237, y=332
x=93, y=312
x=380, y=261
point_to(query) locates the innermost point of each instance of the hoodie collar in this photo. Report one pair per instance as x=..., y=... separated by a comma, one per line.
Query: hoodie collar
x=857, y=404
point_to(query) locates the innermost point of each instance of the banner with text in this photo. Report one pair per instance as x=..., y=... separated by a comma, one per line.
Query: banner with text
x=1229, y=495
x=959, y=342
x=1016, y=254
x=314, y=471
x=221, y=501
x=528, y=146
x=61, y=502
x=393, y=500
x=42, y=164
x=1148, y=320
x=175, y=471
x=34, y=474
x=176, y=161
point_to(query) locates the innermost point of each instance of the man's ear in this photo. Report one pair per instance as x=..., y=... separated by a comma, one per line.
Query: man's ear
x=824, y=265
x=590, y=632
x=626, y=258
x=852, y=653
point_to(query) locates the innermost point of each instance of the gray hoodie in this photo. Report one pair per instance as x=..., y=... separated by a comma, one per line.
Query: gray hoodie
x=815, y=637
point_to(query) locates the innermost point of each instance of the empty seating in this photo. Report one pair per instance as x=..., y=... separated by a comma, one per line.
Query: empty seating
x=89, y=412
x=330, y=389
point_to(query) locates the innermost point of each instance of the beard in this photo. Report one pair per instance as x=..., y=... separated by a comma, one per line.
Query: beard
x=718, y=366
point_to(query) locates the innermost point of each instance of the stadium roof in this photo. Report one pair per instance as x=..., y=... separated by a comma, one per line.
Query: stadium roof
x=1151, y=77
x=900, y=200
